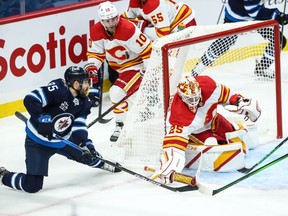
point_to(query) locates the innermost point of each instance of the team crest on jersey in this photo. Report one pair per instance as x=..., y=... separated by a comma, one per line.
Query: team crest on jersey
x=76, y=101
x=64, y=106
x=63, y=123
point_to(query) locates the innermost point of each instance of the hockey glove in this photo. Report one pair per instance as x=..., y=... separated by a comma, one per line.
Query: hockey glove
x=45, y=127
x=246, y=106
x=94, y=155
x=172, y=160
x=282, y=18
x=93, y=72
x=94, y=94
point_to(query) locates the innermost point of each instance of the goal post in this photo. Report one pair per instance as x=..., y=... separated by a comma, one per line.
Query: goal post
x=174, y=56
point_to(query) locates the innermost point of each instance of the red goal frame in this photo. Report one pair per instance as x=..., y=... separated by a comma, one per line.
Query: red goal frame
x=277, y=50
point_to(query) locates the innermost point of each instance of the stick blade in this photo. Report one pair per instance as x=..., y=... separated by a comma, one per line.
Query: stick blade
x=244, y=170
x=205, y=190
x=104, y=121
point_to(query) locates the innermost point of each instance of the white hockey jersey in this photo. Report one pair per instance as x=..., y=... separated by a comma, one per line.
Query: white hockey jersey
x=164, y=16
x=125, y=50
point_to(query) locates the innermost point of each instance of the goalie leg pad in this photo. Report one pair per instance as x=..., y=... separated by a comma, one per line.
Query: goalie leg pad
x=219, y=158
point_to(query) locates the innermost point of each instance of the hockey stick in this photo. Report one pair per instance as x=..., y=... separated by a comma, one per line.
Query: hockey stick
x=211, y=192
x=101, y=74
x=120, y=167
x=247, y=170
x=110, y=109
x=178, y=177
x=224, y=2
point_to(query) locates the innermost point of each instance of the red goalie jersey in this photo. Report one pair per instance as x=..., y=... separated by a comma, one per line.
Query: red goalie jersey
x=203, y=121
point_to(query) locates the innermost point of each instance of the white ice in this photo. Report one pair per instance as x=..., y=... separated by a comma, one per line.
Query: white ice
x=76, y=190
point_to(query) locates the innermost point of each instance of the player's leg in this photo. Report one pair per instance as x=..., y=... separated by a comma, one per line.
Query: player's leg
x=37, y=159
x=127, y=82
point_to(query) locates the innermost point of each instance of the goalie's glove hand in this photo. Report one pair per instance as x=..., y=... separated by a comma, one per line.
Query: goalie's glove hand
x=45, y=126
x=282, y=18
x=172, y=160
x=246, y=106
x=93, y=72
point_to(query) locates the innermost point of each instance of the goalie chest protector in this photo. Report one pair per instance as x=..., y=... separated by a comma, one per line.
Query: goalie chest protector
x=216, y=158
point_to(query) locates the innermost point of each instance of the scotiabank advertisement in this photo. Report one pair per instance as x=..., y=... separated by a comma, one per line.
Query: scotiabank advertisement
x=35, y=50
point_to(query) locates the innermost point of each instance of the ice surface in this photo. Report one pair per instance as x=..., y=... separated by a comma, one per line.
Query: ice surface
x=76, y=190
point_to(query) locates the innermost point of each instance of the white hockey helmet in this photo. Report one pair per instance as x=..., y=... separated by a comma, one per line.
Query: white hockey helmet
x=107, y=10
x=190, y=92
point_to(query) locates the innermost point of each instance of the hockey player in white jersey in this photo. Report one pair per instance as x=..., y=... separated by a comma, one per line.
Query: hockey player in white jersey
x=125, y=48
x=157, y=18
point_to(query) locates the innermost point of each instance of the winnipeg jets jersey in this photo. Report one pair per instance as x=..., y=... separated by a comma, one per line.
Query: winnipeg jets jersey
x=125, y=50
x=245, y=10
x=55, y=99
x=181, y=121
x=164, y=16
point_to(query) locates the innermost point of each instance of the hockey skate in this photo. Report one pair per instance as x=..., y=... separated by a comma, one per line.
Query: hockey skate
x=114, y=137
x=3, y=171
x=262, y=72
x=110, y=168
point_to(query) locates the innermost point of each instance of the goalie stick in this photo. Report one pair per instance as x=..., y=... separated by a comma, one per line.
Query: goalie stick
x=245, y=169
x=211, y=192
x=178, y=177
x=118, y=166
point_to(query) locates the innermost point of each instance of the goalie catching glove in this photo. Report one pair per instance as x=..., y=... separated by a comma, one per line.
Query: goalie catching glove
x=245, y=106
x=172, y=160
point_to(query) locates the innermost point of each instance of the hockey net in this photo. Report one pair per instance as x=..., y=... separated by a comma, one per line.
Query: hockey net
x=176, y=55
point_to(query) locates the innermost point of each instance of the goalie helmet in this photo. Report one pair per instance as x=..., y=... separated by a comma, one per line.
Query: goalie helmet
x=190, y=92
x=75, y=73
x=107, y=10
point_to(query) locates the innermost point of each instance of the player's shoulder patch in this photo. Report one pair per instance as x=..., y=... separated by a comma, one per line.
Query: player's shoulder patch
x=150, y=6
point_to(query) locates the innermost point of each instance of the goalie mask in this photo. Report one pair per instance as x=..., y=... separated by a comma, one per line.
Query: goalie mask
x=189, y=91
x=108, y=16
